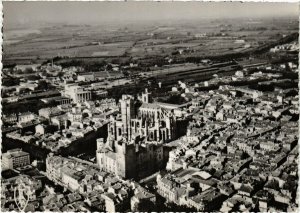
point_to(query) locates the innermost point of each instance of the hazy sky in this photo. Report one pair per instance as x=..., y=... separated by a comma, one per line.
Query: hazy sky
x=97, y=12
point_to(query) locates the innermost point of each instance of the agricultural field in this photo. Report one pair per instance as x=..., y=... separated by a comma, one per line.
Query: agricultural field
x=197, y=38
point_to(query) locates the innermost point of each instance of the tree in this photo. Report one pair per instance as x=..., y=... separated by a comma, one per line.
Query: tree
x=115, y=61
x=60, y=74
x=143, y=206
x=33, y=77
x=43, y=85
x=10, y=81
x=18, y=72
x=108, y=67
x=28, y=70
x=125, y=73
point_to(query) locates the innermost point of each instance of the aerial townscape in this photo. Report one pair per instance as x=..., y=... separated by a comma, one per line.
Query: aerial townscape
x=195, y=115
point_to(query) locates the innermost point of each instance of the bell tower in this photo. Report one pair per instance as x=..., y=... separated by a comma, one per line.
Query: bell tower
x=146, y=96
x=127, y=113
